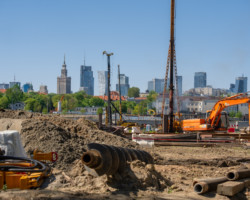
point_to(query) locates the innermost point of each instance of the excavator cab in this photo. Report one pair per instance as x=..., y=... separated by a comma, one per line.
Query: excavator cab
x=223, y=123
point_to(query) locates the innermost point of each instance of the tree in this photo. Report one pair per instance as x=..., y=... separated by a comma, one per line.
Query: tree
x=69, y=102
x=99, y=111
x=130, y=106
x=134, y=92
x=238, y=114
x=14, y=94
x=4, y=102
x=140, y=109
x=83, y=110
x=96, y=101
x=29, y=104
x=232, y=114
x=80, y=96
x=152, y=96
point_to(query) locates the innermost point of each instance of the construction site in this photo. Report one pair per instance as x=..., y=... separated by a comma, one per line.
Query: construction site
x=57, y=156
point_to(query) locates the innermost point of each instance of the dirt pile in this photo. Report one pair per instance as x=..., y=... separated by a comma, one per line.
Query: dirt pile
x=67, y=137
x=141, y=176
x=137, y=176
x=13, y=114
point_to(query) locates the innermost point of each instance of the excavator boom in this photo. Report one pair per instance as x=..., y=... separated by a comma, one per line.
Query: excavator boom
x=212, y=122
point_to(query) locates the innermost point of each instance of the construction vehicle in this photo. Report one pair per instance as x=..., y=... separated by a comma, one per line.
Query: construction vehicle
x=216, y=119
x=17, y=171
x=151, y=112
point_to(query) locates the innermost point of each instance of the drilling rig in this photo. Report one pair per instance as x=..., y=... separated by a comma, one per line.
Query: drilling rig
x=171, y=63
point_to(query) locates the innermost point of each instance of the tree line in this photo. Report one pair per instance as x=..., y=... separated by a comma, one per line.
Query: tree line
x=42, y=103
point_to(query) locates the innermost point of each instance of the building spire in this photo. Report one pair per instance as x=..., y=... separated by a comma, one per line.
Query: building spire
x=64, y=60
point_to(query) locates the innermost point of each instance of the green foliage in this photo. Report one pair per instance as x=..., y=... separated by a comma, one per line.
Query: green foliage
x=134, y=92
x=238, y=114
x=232, y=114
x=140, y=109
x=152, y=96
x=96, y=101
x=130, y=106
x=5, y=187
x=14, y=94
x=4, y=102
x=99, y=111
x=45, y=110
x=83, y=110
x=69, y=102
x=80, y=97
x=29, y=104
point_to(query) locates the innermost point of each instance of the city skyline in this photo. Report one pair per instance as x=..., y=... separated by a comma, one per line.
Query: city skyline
x=36, y=35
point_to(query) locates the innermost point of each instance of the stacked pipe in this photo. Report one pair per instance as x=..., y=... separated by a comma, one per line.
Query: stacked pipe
x=103, y=159
x=202, y=186
x=238, y=174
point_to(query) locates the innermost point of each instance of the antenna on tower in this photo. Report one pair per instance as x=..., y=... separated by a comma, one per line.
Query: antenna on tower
x=84, y=59
x=64, y=59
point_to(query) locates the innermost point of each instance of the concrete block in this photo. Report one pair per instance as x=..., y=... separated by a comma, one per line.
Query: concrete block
x=230, y=188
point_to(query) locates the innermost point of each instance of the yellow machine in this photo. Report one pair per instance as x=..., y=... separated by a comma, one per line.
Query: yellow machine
x=216, y=120
x=25, y=173
x=151, y=112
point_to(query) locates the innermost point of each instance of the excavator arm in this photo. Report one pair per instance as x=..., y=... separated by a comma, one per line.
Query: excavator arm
x=215, y=114
x=212, y=122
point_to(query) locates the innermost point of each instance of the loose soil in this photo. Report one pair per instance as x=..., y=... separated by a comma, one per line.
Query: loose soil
x=169, y=178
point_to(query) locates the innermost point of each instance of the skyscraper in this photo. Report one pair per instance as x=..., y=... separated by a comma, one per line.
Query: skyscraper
x=156, y=85
x=87, y=79
x=124, y=81
x=240, y=85
x=63, y=82
x=103, y=82
x=15, y=83
x=27, y=87
x=179, y=83
x=4, y=86
x=43, y=89
x=232, y=87
x=200, y=79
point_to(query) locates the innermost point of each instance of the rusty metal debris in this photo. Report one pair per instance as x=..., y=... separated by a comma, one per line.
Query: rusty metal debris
x=102, y=159
x=238, y=174
x=202, y=186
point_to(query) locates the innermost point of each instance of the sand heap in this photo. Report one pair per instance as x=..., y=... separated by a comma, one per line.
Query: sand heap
x=137, y=176
x=69, y=138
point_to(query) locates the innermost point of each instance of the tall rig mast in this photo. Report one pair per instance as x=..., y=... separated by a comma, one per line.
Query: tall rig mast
x=171, y=61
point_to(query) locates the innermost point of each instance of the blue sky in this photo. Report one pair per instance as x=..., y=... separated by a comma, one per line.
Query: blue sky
x=211, y=36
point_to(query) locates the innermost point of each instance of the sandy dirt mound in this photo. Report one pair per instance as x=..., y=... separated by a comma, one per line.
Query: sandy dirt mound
x=10, y=124
x=13, y=114
x=138, y=176
x=67, y=137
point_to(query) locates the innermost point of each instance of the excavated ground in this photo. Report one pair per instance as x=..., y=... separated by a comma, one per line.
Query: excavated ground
x=170, y=178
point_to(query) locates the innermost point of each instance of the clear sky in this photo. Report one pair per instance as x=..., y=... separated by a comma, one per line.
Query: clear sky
x=211, y=36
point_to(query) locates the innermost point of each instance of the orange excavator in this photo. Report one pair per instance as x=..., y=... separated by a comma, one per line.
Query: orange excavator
x=216, y=119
